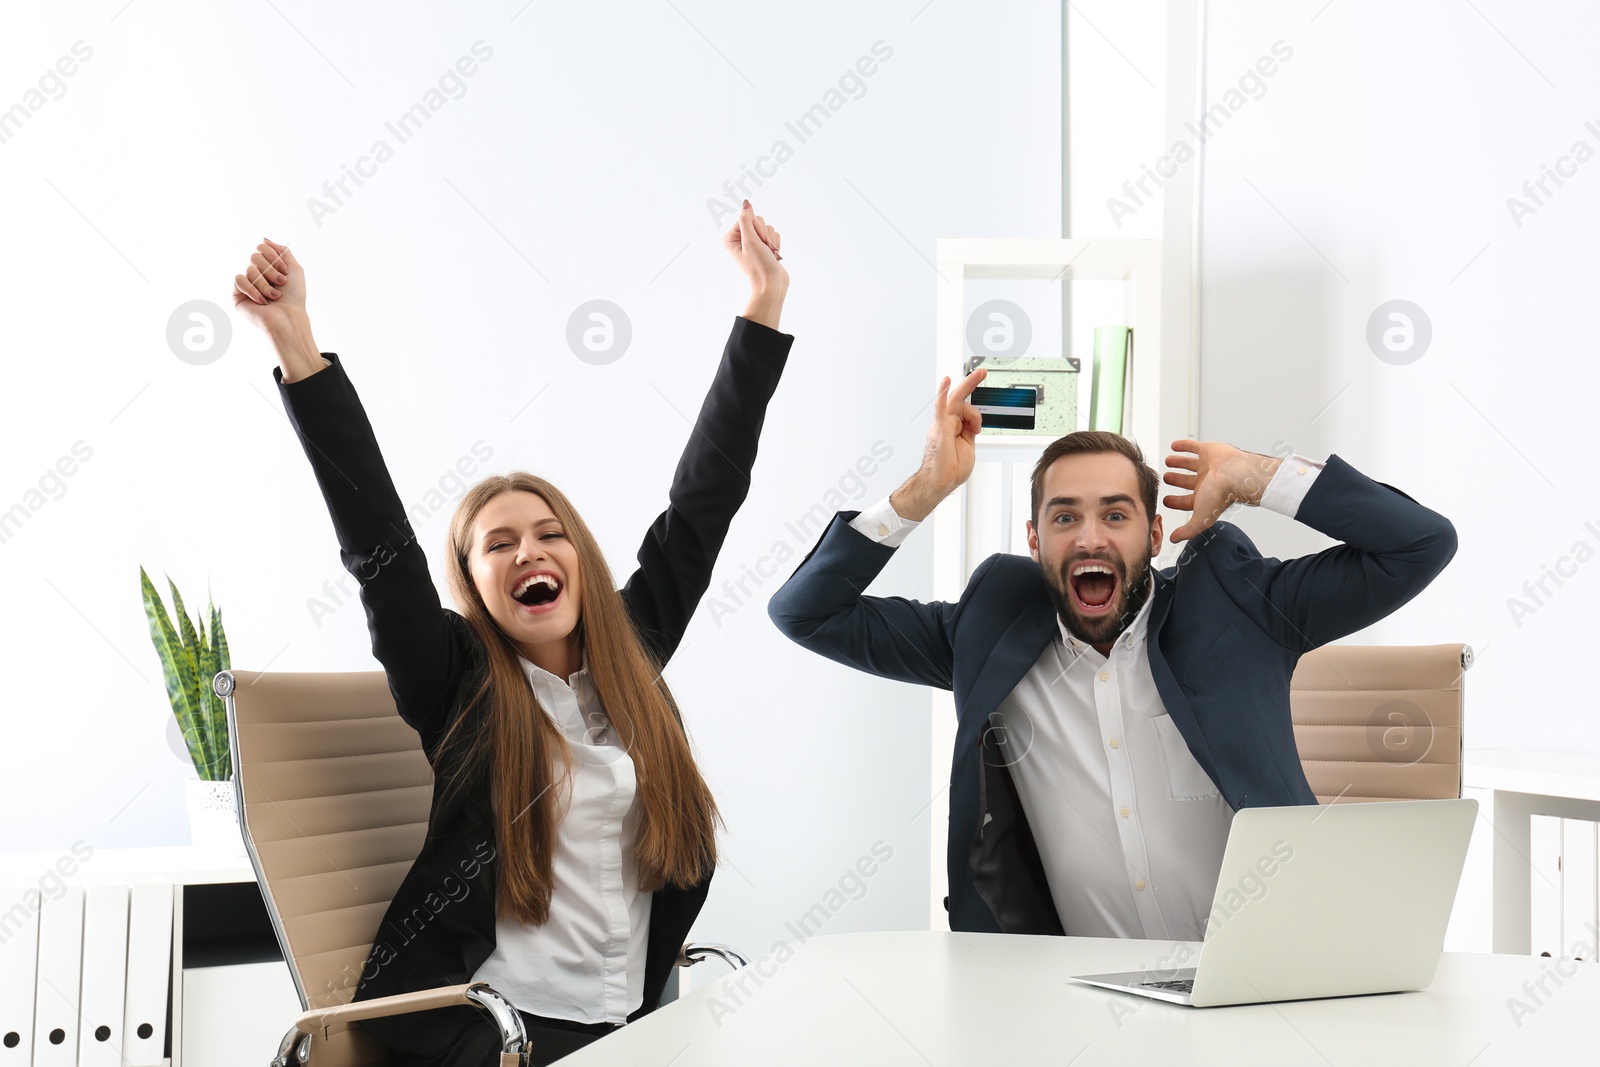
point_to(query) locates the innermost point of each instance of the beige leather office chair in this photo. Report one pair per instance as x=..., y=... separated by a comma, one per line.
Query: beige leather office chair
x=333, y=793
x=1380, y=723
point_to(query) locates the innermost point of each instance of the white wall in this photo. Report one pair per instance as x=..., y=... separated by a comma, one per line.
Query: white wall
x=1117, y=69
x=576, y=165
x=1377, y=165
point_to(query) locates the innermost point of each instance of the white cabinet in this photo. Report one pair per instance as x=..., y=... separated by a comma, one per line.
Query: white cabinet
x=205, y=906
x=236, y=1013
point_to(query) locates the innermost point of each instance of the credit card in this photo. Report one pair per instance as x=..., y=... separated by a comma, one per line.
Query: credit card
x=1006, y=408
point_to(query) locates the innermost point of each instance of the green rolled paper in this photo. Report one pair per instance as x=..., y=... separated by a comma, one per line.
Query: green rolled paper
x=1111, y=344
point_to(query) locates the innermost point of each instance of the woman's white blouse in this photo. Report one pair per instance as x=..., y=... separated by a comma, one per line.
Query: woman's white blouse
x=586, y=963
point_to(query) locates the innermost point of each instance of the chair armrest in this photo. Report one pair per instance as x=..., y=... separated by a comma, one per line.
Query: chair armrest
x=379, y=1007
x=692, y=953
x=481, y=995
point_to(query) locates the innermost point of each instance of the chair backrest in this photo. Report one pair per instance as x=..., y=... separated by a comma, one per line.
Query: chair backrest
x=334, y=791
x=1377, y=722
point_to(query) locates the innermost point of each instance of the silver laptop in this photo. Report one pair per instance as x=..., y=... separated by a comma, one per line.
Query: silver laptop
x=1322, y=901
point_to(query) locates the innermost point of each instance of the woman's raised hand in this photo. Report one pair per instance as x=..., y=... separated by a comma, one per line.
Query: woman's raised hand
x=755, y=246
x=272, y=294
x=273, y=286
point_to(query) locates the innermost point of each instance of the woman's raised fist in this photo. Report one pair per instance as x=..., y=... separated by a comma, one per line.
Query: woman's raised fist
x=272, y=290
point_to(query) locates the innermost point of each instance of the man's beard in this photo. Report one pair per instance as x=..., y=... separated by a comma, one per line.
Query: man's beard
x=1132, y=592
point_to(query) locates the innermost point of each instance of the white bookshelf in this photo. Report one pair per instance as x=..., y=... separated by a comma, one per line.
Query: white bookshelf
x=218, y=1014
x=987, y=515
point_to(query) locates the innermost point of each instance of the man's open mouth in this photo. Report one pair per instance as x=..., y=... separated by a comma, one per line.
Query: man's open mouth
x=538, y=591
x=1093, y=585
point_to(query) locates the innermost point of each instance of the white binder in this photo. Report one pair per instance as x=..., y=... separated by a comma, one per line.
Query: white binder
x=144, y=1026
x=55, y=1014
x=19, y=961
x=105, y=975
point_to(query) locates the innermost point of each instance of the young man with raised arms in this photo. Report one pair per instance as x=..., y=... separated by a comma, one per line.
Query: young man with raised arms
x=1112, y=717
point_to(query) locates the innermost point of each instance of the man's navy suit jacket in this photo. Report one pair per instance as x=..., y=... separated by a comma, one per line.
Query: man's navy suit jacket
x=1226, y=629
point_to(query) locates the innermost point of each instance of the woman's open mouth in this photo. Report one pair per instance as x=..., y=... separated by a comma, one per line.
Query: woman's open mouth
x=538, y=593
x=1093, y=585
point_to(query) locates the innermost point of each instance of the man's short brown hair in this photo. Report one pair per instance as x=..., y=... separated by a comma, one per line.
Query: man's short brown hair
x=1085, y=442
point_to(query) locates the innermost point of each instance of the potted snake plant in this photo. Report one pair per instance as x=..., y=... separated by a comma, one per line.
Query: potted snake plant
x=191, y=655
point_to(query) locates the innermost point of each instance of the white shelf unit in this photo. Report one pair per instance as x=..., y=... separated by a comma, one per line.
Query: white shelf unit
x=1537, y=885
x=965, y=530
x=242, y=1008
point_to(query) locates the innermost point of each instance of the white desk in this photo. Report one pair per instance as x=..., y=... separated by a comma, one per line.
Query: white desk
x=1525, y=784
x=922, y=999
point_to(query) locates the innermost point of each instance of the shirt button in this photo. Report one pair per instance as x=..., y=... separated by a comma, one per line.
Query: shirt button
x=1105, y=676
x=1139, y=885
x=1124, y=813
x=884, y=530
x=1113, y=742
x=1302, y=470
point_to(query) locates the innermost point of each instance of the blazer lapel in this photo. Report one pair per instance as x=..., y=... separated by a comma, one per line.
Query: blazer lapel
x=1172, y=698
x=1013, y=655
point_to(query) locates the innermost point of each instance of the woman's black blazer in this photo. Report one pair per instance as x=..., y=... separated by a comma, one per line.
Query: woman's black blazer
x=441, y=924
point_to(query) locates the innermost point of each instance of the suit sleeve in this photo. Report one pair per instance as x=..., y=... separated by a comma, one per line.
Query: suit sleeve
x=1393, y=547
x=711, y=482
x=823, y=607
x=423, y=647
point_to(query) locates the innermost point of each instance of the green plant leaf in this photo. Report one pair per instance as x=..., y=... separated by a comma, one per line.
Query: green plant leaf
x=191, y=640
x=177, y=672
x=197, y=695
x=220, y=640
x=219, y=655
x=213, y=710
x=214, y=714
x=213, y=717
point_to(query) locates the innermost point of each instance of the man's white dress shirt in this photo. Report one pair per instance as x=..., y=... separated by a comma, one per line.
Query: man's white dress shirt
x=586, y=962
x=1130, y=828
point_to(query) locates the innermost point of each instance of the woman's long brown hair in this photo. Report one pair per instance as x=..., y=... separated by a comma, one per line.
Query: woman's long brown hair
x=527, y=759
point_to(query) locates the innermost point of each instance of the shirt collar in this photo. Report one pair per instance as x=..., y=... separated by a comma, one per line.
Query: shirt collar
x=564, y=701
x=537, y=675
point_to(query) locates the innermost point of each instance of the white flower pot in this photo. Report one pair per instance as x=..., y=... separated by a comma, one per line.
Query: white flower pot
x=213, y=822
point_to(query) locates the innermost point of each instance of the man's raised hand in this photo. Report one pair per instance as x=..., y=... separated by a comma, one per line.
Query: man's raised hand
x=950, y=453
x=1217, y=476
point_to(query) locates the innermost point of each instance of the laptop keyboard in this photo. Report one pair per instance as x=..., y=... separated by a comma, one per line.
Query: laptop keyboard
x=1177, y=985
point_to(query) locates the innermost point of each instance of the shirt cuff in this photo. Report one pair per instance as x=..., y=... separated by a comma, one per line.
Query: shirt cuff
x=882, y=524
x=277, y=372
x=1289, y=486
